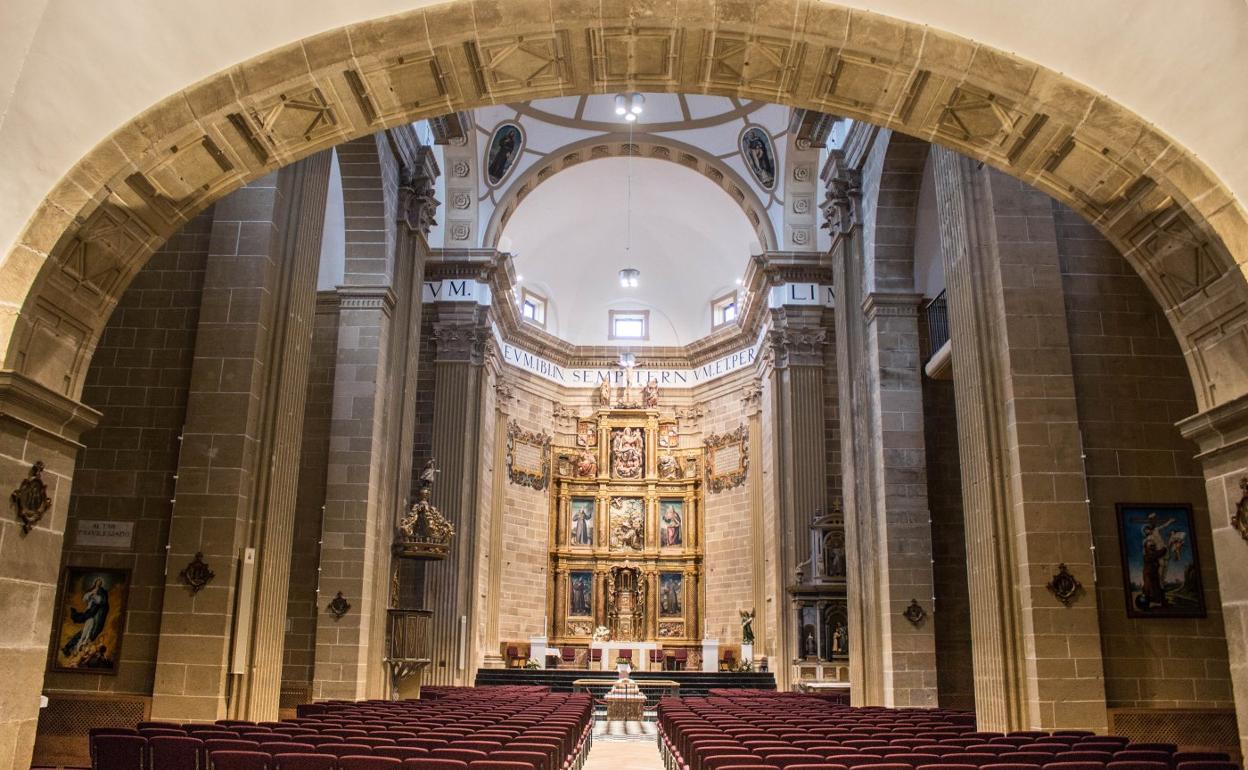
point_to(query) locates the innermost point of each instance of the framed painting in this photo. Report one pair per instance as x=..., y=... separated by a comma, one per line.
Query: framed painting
x=503, y=151
x=671, y=523
x=90, y=620
x=580, y=593
x=581, y=521
x=760, y=156
x=671, y=594
x=1160, y=564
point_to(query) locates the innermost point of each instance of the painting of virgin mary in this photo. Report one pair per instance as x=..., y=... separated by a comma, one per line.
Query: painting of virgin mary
x=91, y=614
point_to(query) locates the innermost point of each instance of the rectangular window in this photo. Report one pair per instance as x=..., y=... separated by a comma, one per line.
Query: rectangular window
x=724, y=310
x=533, y=308
x=629, y=325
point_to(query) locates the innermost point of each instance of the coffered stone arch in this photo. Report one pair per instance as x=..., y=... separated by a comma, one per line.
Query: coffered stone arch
x=1176, y=222
x=649, y=146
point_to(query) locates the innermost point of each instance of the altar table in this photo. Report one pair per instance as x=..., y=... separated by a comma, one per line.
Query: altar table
x=610, y=651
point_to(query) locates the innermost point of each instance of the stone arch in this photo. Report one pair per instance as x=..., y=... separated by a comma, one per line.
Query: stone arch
x=888, y=236
x=1177, y=223
x=649, y=146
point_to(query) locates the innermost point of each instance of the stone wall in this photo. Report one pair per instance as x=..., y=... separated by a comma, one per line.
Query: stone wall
x=526, y=524
x=951, y=608
x=1132, y=386
x=138, y=380
x=728, y=538
x=303, y=601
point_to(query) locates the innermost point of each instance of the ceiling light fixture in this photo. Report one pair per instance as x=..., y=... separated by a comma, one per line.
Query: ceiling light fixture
x=630, y=278
x=621, y=104
x=636, y=104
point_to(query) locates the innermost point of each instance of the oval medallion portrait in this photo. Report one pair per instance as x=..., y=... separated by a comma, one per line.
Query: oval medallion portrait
x=503, y=152
x=760, y=156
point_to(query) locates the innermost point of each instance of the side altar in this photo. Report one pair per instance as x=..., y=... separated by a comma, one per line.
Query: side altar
x=626, y=539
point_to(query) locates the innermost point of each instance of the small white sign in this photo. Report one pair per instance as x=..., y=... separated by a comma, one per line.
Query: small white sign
x=104, y=534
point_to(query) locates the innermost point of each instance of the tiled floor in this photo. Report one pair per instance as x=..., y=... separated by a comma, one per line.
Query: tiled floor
x=631, y=747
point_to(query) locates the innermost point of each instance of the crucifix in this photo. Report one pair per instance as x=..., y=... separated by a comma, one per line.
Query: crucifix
x=627, y=362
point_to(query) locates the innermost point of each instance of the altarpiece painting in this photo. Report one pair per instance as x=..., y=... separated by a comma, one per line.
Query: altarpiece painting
x=90, y=620
x=1160, y=565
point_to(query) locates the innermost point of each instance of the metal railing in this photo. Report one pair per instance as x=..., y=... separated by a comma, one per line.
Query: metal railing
x=937, y=311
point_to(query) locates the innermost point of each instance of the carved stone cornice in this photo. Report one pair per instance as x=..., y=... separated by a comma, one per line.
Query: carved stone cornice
x=418, y=206
x=1219, y=430
x=451, y=128
x=34, y=404
x=366, y=298
x=504, y=394
x=892, y=304
x=466, y=341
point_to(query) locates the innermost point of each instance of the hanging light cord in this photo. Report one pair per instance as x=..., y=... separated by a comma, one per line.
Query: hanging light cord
x=628, y=217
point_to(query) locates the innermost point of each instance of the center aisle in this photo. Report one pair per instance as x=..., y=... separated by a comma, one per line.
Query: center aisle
x=624, y=752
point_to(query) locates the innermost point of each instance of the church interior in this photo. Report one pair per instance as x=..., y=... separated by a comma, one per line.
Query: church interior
x=496, y=387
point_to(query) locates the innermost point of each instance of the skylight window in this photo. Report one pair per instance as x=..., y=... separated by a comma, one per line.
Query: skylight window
x=629, y=325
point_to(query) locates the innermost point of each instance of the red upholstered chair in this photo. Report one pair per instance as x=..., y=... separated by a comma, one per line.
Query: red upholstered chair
x=239, y=760
x=235, y=744
x=1009, y=766
x=478, y=745
x=1074, y=766
x=172, y=752
x=1100, y=757
x=346, y=749
x=118, y=752
x=368, y=763
x=656, y=657
x=885, y=766
x=567, y=656
x=491, y=764
x=979, y=759
x=535, y=759
x=1135, y=764
x=816, y=767
x=304, y=762
x=1168, y=748
x=1029, y=757
x=434, y=764
x=1199, y=756
x=680, y=659
x=947, y=766
x=751, y=767
x=513, y=657
x=1135, y=755
x=463, y=755
x=400, y=752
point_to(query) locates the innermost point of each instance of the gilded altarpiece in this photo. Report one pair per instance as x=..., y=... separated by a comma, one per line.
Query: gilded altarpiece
x=626, y=536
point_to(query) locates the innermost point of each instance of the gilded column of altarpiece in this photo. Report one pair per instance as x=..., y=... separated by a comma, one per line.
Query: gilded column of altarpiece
x=626, y=542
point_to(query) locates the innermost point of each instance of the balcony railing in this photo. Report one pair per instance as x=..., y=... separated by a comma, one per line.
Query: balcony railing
x=937, y=311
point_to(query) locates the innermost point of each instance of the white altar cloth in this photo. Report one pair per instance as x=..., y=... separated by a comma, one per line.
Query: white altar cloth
x=610, y=651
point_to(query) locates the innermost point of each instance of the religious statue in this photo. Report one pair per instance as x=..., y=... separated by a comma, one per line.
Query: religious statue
x=604, y=392
x=669, y=467
x=840, y=640
x=586, y=465
x=747, y=626
x=429, y=472
x=626, y=453
x=650, y=394
x=810, y=647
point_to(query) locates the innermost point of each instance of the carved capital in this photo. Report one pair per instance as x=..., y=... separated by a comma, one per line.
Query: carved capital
x=468, y=342
x=752, y=399
x=417, y=204
x=842, y=206
x=789, y=344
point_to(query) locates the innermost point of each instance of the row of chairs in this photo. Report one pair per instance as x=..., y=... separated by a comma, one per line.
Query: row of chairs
x=793, y=732
x=455, y=729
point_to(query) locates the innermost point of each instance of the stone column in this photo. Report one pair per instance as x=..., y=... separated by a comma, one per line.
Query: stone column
x=221, y=647
x=897, y=526
x=372, y=425
x=462, y=334
x=1037, y=662
x=796, y=349
x=751, y=405
x=37, y=425
x=1222, y=435
x=503, y=398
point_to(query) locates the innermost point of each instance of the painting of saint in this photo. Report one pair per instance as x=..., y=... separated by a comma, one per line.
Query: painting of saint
x=91, y=616
x=582, y=530
x=504, y=150
x=760, y=156
x=628, y=532
x=1160, y=566
x=580, y=593
x=671, y=594
x=671, y=523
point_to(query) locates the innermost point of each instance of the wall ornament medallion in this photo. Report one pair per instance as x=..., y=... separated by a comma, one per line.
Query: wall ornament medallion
x=528, y=457
x=1239, y=519
x=338, y=606
x=196, y=574
x=914, y=613
x=30, y=500
x=727, y=459
x=1065, y=586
